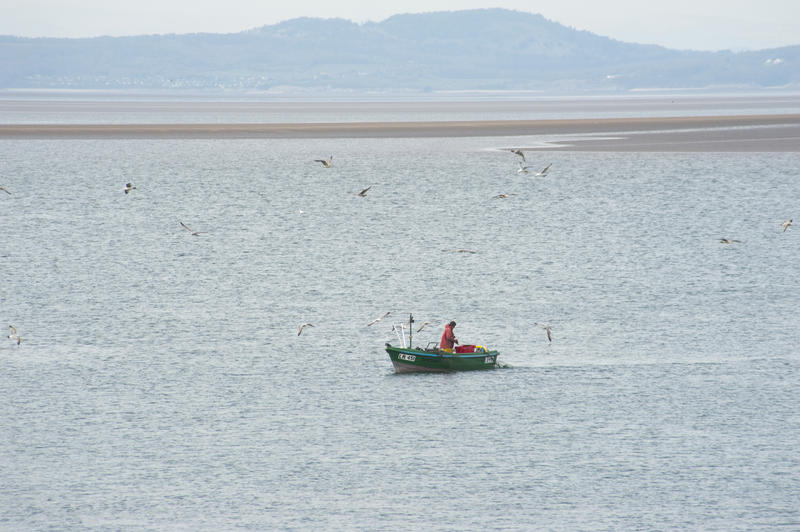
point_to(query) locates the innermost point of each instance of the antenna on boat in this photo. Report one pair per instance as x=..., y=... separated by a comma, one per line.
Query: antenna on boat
x=400, y=331
x=410, y=329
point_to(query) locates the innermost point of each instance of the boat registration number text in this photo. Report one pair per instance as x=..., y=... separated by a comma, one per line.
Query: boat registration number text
x=410, y=358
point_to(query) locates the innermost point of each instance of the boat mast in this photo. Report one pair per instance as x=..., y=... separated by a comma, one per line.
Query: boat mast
x=410, y=329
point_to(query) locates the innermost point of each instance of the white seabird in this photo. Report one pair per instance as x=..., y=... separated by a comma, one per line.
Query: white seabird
x=4, y=189
x=376, y=320
x=325, y=163
x=303, y=326
x=547, y=330
x=544, y=170
x=194, y=233
x=786, y=224
x=128, y=188
x=363, y=193
x=14, y=336
x=423, y=326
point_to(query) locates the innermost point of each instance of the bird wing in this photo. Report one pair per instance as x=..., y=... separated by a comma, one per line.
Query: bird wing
x=4, y=189
x=364, y=192
x=12, y=329
x=546, y=328
x=376, y=320
x=186, y=227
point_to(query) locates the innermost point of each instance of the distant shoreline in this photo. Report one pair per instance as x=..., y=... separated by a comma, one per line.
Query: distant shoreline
x=776, y=132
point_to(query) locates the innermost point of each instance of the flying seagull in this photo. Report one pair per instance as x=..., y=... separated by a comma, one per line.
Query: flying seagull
x=326, y=164
x=363, y=193
x=423, y=326
x=194, y=233
x=518, y=152
x=4, y=189
x=547, y=330
x=544, y=171
x=14, y=336
x=376, y=320
x=128, y=187
x=303, y=326
x=523, y=169
x=786, y=224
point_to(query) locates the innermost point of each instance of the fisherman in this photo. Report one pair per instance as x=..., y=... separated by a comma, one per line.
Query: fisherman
x=448, y=337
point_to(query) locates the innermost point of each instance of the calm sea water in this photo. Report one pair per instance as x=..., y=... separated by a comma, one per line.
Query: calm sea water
x=161, y=383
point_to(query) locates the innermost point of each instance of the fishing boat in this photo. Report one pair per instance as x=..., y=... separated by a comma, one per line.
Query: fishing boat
x=407, y=359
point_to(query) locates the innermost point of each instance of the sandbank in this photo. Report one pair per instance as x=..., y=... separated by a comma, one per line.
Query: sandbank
x=769, y=132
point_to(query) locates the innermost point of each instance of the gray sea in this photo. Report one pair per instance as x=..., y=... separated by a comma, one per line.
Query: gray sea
x=160, y=383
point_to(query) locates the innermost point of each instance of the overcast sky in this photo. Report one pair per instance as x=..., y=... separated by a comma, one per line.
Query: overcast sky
x=682, y=24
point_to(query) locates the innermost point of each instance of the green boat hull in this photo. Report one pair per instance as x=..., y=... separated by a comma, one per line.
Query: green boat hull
x=412, y=360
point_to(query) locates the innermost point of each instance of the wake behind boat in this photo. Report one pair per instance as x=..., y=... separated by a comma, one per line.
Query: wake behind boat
x=432, y=358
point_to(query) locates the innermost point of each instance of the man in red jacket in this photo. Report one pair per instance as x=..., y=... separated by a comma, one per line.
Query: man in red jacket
x=448, y=338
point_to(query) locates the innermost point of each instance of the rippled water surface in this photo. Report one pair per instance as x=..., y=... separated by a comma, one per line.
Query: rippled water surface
x=161, y=383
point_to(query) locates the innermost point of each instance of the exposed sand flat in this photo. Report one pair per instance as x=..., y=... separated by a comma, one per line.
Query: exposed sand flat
x=776, y=132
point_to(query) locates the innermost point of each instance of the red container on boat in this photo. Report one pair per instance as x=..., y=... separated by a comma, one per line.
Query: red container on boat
x=465, y=349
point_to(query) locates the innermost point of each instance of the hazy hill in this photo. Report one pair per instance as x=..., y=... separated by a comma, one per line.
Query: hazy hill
x=474, y=49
